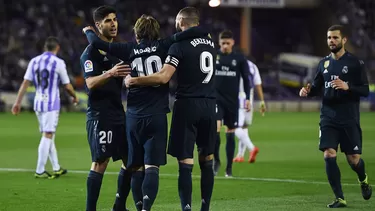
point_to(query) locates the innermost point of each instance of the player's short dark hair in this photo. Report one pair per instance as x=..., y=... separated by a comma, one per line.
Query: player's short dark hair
x=340, y=28
x=51, y=43
x=190, y=15
x=226, y=34
x=101, y=12
x=147, y=27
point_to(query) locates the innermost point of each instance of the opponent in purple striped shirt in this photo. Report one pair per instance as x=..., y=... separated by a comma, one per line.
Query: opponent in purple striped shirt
x=245, y=118
x=46, y=71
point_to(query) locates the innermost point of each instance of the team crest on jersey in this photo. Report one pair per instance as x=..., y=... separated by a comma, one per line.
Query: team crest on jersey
x=102, y=52
x=234, y=62
x=88, y=66
x=345, y=69
x=217, y=59
x=326, y=64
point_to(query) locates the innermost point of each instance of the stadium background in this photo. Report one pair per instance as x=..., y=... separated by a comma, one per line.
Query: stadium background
x=285, y=38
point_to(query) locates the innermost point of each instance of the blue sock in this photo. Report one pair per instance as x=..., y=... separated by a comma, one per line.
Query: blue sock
x=207, y=183
x=94, y=182
x=150, y=187
x=334, y=176
x=230, y=148
x=185, y=186
x=136, y=184
x=359, y=168
x=217, y=148
x=123, y=189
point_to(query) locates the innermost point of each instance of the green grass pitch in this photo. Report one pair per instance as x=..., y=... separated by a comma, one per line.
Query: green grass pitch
x=289, y=173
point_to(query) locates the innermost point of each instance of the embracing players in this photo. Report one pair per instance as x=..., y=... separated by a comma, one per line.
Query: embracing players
x=147, y=125
x=46, y=71
x=105, y=124
x=230, y=67
x=193, y=118
x=342, y=79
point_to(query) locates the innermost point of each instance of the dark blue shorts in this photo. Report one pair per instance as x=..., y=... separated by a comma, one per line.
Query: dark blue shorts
x=349, y=137
x=106, y=140
x=193, y=122
x=229, y=116
x=147, y=140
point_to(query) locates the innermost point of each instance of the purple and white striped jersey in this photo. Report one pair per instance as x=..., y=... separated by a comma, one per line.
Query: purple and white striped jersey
x=46, y=71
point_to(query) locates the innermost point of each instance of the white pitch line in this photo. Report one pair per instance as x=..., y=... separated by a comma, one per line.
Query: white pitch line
x=196, y=176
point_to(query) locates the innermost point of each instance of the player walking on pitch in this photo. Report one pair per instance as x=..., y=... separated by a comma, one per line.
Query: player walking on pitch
x=45, y=71
x=230, y=67
x=245, y=117
x=344, y=80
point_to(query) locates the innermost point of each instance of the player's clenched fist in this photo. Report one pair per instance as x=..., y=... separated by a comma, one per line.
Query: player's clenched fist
x=305, y=91
x=87, y=28
x=120, y=70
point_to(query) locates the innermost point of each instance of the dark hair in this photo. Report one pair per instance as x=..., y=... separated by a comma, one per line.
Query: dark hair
x=101, y=12
x=340, y=28
x=146, y=27
x=190, y=15
x=51, y=43
x=226, y=34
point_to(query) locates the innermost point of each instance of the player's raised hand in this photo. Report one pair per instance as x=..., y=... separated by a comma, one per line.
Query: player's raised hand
x=247, y=105
x=305, y=90
x=120, y=70
x=263, y=108
x=339, y=84
x=88, y=28
x=16, y=109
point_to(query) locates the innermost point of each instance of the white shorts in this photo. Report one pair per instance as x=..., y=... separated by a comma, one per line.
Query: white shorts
x=245, y=117
x=48, y=121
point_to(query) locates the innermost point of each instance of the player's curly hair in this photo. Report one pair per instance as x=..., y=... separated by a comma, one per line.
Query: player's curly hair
x=147, y=27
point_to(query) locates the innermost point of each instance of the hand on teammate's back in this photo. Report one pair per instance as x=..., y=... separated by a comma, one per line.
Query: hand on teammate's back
x=120, y=70
x=305, y=91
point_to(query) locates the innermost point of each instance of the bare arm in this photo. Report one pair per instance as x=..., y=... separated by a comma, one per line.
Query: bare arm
x=96, y=81
x=259, y=91
x=21, y=92
x=162, y=77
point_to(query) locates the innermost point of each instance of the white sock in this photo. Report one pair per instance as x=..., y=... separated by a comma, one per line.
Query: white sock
x=43, y=151
x=53, y=155
x=246, y=139
x=241, y=149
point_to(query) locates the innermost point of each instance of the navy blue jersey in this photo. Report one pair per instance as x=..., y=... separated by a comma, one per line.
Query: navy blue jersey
x=104, y=102
x=194, y=60
x=340, y=105
x=229, y=69
x=147, y=57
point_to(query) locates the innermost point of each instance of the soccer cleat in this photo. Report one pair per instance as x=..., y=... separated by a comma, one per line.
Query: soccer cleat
x=253, y=154
x=228, y=173
x=337, y=203
x=60, y=172
x=216, y=167
x=44, y=175
x=366, y=189
x=238, y=159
